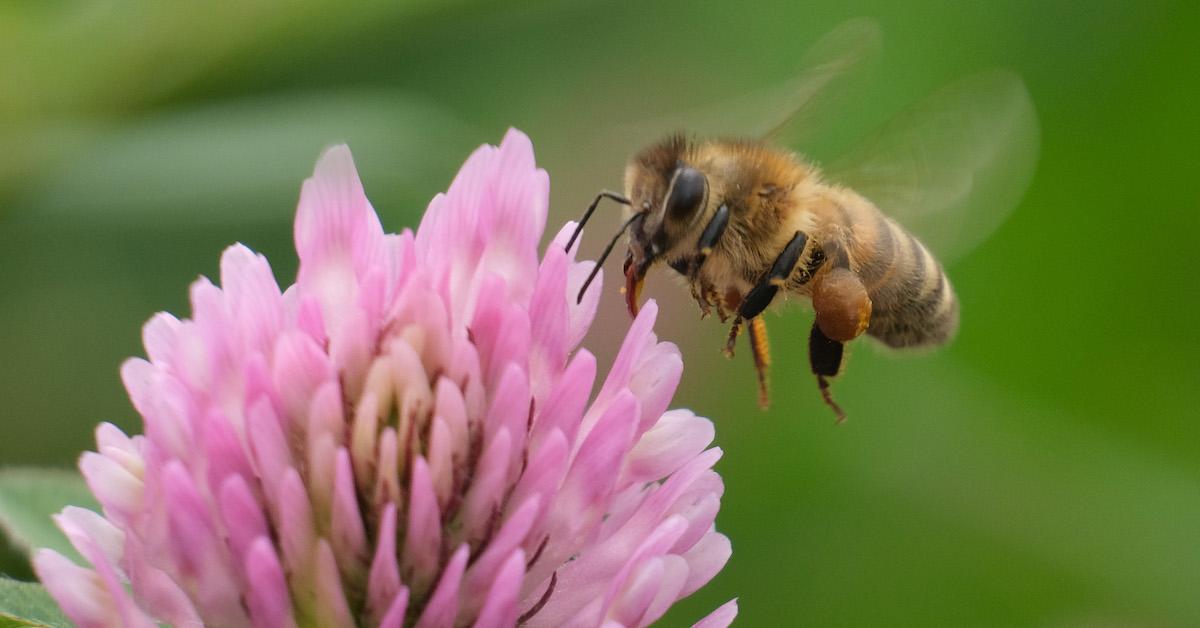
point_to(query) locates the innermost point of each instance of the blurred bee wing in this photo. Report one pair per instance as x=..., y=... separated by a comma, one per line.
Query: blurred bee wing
x=785, y=108
x=847, y=48
x=952, y=167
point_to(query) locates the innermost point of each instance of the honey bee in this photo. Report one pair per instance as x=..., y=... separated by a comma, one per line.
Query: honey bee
x=745, y=221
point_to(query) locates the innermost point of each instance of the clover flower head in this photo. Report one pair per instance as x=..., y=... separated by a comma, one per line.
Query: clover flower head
x=405, y=436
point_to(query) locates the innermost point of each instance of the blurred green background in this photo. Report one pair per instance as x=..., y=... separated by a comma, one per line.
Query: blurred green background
x=1042, y=471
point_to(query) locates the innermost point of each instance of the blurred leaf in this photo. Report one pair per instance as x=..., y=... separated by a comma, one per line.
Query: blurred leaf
x=29, y=496
x=114, y=57
x=28, y=604
x=229, y=163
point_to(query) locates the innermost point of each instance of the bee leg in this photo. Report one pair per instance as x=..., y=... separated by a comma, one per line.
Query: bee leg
x=734, y=331
x=714, y=299
x=825, y=356
x=761, y=295
x=761, y=349
x=764, y=291
x=708, y=239
x=705, y=308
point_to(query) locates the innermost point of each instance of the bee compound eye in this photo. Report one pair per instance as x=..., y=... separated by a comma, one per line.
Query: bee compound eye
x=687, y=193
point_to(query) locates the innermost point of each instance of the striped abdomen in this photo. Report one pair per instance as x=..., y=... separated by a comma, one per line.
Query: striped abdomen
x=912, y=302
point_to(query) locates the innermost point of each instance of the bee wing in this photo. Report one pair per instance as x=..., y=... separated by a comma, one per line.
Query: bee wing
x=952, y=167
x=842, y=51
x=780, y=112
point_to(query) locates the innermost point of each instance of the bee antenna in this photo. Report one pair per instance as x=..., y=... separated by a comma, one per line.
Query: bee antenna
x=603, y=256
x=620, y=198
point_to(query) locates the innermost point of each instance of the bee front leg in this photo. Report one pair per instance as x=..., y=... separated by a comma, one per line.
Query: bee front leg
x=761, y=295
x=700, y=292
x=712, y=233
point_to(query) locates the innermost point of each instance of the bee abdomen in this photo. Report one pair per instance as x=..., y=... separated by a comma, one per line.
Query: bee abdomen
x=913, y=303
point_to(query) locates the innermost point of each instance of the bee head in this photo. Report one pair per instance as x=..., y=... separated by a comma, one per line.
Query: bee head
x=666, y=196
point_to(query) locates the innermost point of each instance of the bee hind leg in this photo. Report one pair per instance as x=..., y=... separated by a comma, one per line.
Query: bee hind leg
x=761, y=348
x=825, y=356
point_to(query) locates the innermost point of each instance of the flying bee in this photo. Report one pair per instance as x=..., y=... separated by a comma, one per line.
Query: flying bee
x=745, y=221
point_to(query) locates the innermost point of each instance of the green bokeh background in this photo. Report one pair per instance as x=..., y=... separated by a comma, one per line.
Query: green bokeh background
x=1042, y=471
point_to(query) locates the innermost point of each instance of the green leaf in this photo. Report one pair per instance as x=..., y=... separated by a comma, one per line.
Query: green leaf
x=28, y=496
x=28, y=604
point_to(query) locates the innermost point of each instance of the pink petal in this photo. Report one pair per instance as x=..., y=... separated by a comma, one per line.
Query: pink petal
x=80, y=592
x=548, y=321
x=348, y=535
x=269, y=448
x=158, y=592
x=309, y=319
x=563, y=410
x=300, y=368
x=197, y=548
x=162, y=402
x=387, y=473
x=159, y=338
x=591, y=478
x=364, y=435
x=700, y=515
x=483, y=573
x=547, y=467
x=450, y=407
x=675, y=574
x=394, y=617
x=510, y=412
x=443, y=605
x=483, y=498
x=85, y=528
x=267, y=596
x=223, y=450
x=658, y=503
x=655, y=544
x=383, y=583
x=205, y=351
x=500, y=607
x=677, y=437
x=639, y=593
x=255, y=296
x=589, y=482
x=511, y=344
x=705, y=559
x=423, y=538
x=295, y=523
x=324, y=434
x=639, y=339
x=243, y=515
x=331, y=606
x=351, y=345
x=441, y=465
x=110, y=439
x=580, y=315
x=119, y=492
x=654, y=381
x=337, y=233
x=720, y=618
